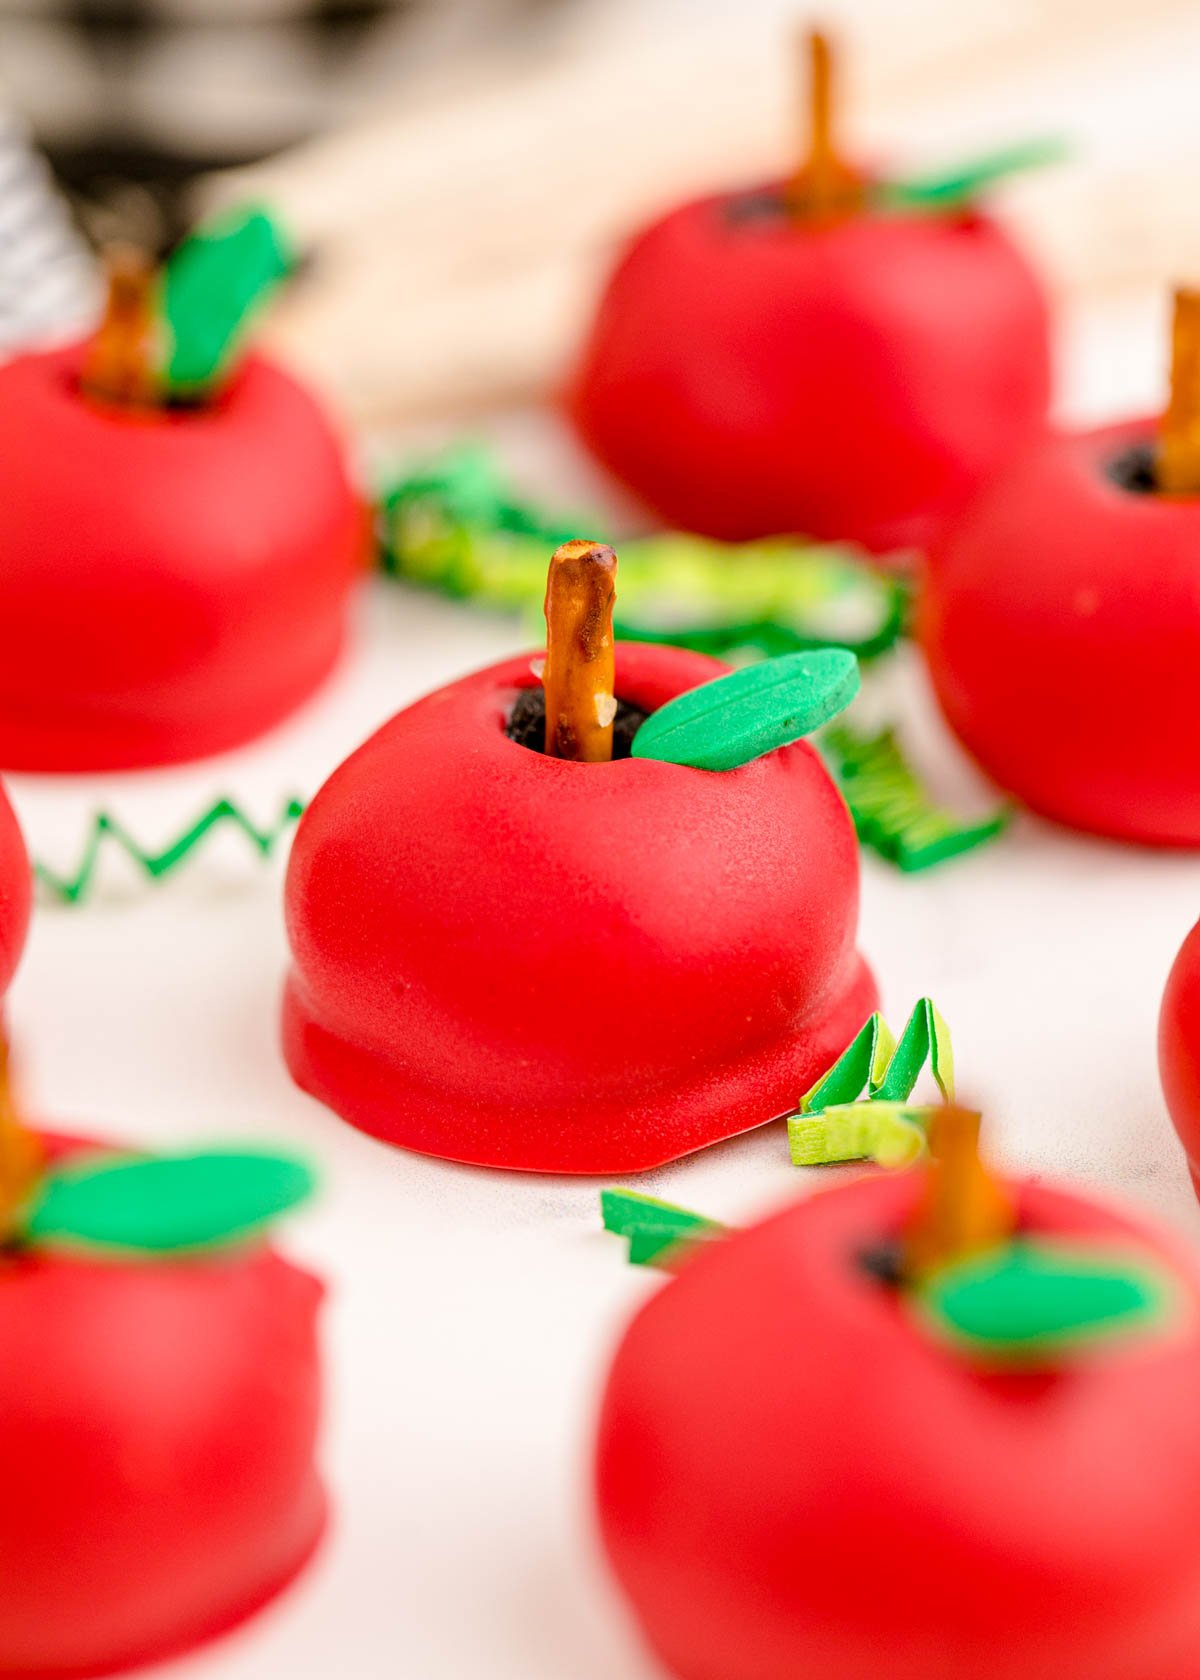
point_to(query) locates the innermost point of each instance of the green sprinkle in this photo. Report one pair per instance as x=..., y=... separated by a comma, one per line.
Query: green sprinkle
x=876, y=1063
x=652, y=1227
x=861, y=1066
x=890, y=1134
x=832, y=1124
x=742, y=716
x=650, y=1245
x=1036, y=1302
x=453, y=524
x=892, y=812
x=212, y=286
x=926, y=1037
x=167, y=1204
x=76, y=888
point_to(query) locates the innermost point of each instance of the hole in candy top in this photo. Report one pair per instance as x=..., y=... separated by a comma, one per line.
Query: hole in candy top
x=767, y=207
x=171, y=410
x=1134, y=468
x=526, y=723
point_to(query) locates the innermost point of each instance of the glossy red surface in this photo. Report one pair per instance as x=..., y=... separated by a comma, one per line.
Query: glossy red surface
x=794, y=1482
x=752, y=376
x=513, y=960
x=1179, y=1048
x=158, y=1422
x=16, y=892
x=1060, y=620
x=174, y=584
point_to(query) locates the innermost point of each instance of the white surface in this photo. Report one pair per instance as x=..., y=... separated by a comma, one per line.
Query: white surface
x=472, y=1314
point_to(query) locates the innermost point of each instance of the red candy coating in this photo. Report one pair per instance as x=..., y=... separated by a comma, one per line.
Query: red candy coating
x=16, y=892
x=756, y=375
x=157, y=1428
x=522, y=961
x=1061, y=623
x=1179, y=1048
x=796, y=1483
x=175, y=583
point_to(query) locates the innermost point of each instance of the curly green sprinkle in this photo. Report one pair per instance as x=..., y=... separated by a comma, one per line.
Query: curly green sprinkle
x=858, y=1110
x=653, y=1228
x=76, y=888
x=892, y=811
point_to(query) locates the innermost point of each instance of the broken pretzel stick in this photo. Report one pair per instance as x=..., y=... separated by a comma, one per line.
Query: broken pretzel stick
x=964, y=1210
x=119, y=367
x=579, y=674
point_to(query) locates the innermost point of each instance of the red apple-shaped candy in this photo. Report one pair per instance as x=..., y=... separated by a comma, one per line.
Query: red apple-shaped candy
x=175, y=580
x=1179, y=1048
x=157, y=1428
x=797, y=1481
x=16, y=891
x=1060, y=619
x=519, y=960
x=747, y=374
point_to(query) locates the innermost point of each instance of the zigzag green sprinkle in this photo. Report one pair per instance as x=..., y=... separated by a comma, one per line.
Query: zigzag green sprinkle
x=858, y=1110
x=653, y=1228
x=74, y=889
x=893, y=813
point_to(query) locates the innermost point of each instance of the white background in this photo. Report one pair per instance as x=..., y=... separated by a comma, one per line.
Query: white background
x=471, y=1314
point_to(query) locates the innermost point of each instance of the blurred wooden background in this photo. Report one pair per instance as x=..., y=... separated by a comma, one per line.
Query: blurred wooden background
x=461, y=234
x=463, y=170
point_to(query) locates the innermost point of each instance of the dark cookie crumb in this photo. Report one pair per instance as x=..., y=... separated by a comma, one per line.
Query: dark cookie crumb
x=527, y=723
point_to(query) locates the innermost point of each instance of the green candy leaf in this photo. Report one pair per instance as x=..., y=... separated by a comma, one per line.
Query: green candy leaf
x=966, y=181
x=212, y=285
x=748, y=713
x=171, y=1204
x=1037, y=1302
x=652, y=1227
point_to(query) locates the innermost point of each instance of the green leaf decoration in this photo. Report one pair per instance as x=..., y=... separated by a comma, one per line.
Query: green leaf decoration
x=212, y=286
x=832, y=1125
x=76, y=888
x=892, y=812
x=742, y=716
x=952, y=188
x=1036, y=1303
x=653, y=1228
x=172, y=1204
x=453, y=524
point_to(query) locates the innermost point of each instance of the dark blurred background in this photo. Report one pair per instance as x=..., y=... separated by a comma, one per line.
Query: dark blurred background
x=131, y=99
